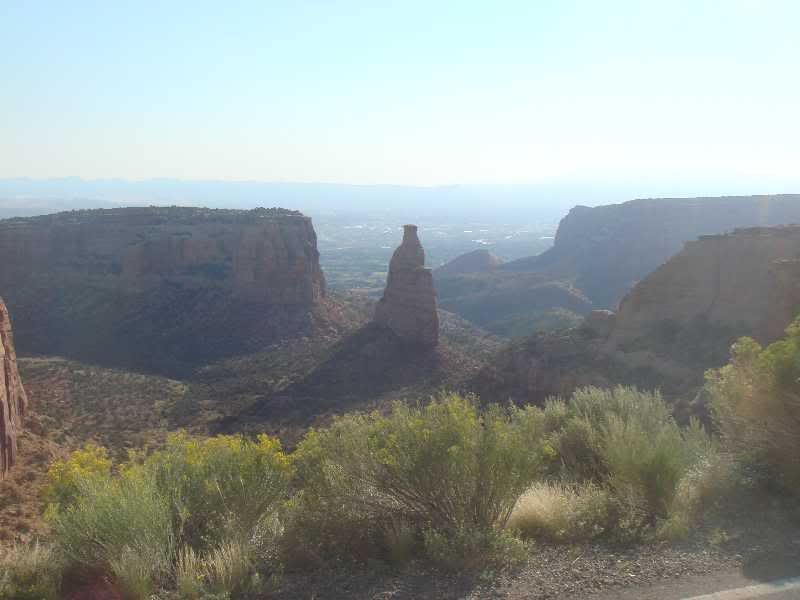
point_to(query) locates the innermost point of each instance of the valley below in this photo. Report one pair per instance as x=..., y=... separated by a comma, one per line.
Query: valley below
x=133, y=324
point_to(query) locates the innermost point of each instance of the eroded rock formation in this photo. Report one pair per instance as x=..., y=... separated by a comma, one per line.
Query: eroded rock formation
x=162, y=288
x=742, y=283
x=673, y=325
x=13, y=401
x=408, y=306
x=477, y=261
x=598, y=256
x=605, y=250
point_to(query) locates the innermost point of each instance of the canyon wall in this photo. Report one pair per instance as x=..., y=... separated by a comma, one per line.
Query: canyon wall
x=605, y=250
x=159, y=288
x=13, y=401
x=673, y=325
x=743, y=282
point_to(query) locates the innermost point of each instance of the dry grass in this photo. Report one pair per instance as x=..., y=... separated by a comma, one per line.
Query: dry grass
x=29, y=571
x=558, y=512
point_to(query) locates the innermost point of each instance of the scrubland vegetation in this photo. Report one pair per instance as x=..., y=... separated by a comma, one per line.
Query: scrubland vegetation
x=451, y=482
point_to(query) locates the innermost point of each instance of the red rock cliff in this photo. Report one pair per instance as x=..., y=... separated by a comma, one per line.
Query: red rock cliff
x=270, y=255
x=12, y=396
x=159, y=288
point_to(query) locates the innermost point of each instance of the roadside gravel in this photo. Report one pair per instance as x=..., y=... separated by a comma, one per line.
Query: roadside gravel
x=761, y=550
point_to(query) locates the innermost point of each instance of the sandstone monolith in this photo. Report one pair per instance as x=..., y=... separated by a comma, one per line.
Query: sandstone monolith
x=408, y=306
x=13, y=401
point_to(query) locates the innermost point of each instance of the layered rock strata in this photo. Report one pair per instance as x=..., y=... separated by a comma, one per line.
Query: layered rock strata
x=408, y=305
x=161, y=288
x=605, y=250
x=673, y=325
x=13, y=401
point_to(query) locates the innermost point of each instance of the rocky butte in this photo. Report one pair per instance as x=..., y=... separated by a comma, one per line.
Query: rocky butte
x=13, y=401
x=408, y=305
x=159, y=288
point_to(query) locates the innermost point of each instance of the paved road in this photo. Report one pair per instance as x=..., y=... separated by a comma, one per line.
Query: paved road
x=719, y=586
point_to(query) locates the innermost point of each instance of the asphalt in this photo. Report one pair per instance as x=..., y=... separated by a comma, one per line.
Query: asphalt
x=734, y=585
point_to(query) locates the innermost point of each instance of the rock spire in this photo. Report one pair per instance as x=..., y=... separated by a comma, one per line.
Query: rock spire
x=13, y=401
x=408, y=306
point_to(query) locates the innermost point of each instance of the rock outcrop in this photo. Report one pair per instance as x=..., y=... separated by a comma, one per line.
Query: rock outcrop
x=743, y=283
x=159, y=289
x=605, y=250
x=477, y=261
x=13, y=401
x=673, y=325
x=408, y=306
x=598, y=256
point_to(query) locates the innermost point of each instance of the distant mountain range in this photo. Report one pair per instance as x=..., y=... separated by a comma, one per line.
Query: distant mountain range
x=546, y=201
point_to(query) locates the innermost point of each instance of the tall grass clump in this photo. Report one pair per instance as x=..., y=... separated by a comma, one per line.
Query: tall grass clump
x=627, y=441
x=561, y=512
x=755, y=402
x=445, y=472
x=29, y=572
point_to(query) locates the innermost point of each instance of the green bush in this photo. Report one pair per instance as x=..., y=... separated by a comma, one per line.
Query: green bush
x=111, y=522
x=205, y=507
x=446, y=468
x=755, y=402
x=626, y=441
x=220, y=488
x=89, y=462
x=473, y=550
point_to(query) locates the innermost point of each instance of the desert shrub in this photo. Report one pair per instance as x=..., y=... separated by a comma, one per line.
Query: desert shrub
x=472, y=549
x=707, y=486
x=29, y=572
x=755, y=402
x=626, y=441
x=121, y=525
x=203, y=510
x=220, y=487
x=64, y=476
x=559, y=512
x=446, y=468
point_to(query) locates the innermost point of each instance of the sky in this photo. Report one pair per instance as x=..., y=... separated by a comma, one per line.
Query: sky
x=402, y=92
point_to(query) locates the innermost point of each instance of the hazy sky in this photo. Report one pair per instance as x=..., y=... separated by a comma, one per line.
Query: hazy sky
x=403, y=92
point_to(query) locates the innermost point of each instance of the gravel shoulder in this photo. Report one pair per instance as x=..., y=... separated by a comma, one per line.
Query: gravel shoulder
x=764, y=548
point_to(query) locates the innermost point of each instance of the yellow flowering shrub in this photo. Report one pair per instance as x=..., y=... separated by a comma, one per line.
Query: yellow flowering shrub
x=89, y=462
x=220, y=486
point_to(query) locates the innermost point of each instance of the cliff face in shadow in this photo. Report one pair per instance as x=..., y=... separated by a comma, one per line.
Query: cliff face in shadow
x=160, y=289
x=598, y=255
x=13, y=402
x=605, y=250
x=673, y=325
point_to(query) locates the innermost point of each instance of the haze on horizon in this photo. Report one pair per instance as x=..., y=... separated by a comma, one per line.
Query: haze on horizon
x=411, y=93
